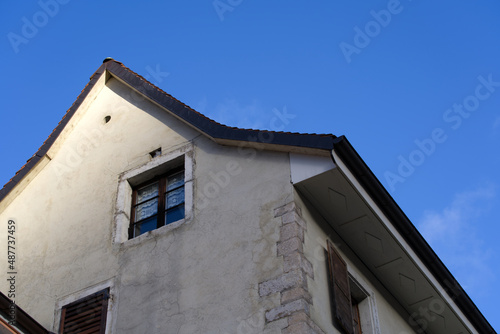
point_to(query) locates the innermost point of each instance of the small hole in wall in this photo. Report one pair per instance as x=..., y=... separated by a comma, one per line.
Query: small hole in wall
x=107, y=119
x=155, y=153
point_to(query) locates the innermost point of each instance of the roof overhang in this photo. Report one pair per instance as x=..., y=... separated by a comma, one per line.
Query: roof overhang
x=359, y=209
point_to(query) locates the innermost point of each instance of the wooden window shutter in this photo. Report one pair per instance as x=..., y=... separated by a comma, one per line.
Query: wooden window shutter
x=339, y=290
x=87, y=315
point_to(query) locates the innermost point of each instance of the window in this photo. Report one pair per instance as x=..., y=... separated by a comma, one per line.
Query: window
x=86, y=315
x=339, y=290
x=351, y=304
x=158, y=193
x=157, y=202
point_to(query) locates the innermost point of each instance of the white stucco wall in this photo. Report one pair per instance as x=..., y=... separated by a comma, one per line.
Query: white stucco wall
x=198, y=278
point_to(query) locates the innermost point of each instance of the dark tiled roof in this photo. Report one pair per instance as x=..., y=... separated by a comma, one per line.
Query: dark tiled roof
x=199, y=121
x=208, y=126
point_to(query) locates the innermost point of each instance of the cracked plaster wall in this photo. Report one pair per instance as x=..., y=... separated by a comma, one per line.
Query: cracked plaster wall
x=205, y=273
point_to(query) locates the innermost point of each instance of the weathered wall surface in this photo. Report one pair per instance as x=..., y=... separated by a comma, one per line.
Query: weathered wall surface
x=198, y=278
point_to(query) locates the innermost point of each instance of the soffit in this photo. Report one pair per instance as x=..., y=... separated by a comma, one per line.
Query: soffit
x=376, y=246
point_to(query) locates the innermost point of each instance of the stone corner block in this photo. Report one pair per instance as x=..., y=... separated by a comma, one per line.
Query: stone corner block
x=294, y=294
x=290, y=246
x=293, y=217
x=290, y=207
x=297, y=260
x=298, y=317
x=291, y=230
x=274, y=326
x=287, y=309
x=286, y=281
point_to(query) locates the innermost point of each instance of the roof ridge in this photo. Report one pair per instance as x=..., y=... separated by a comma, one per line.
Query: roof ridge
x=202, y=115
x=164, y=92
x=189, y=115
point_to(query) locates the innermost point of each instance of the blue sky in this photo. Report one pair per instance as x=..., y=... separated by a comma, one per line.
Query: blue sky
x=414, y=85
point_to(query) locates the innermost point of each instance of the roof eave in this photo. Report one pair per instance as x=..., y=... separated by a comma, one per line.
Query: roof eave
x=212, y=129
x=42, y=151
x=269, y=140
x=22, y=318
x=408, y=231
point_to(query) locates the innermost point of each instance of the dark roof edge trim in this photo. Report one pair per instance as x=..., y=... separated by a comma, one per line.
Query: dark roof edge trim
x=197, y=120
x=30, y=164
x=408, y=231
x=210, y=127
x=22, y=318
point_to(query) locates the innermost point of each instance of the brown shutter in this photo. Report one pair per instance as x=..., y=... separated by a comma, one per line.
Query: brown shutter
x=87, y=315
x=339, y=290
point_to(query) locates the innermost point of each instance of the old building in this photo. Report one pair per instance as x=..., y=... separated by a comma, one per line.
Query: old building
x=140, y=215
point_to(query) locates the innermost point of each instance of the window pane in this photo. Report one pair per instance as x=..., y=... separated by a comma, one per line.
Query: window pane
x=174, y=214
x=175, y=181
x=147, y=209
x=174, y=198
x=145, y=226
x=147, y=192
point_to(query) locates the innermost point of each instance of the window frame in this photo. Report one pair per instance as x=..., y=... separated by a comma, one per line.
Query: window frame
x=161, y=212
x=103, y=309
x=83, y=293
x=359, y=297
x=158, y=165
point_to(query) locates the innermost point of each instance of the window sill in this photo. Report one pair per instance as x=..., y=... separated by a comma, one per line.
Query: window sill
x=155, y=234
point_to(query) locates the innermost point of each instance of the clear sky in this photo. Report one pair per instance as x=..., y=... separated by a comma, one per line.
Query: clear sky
x=414, y=86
